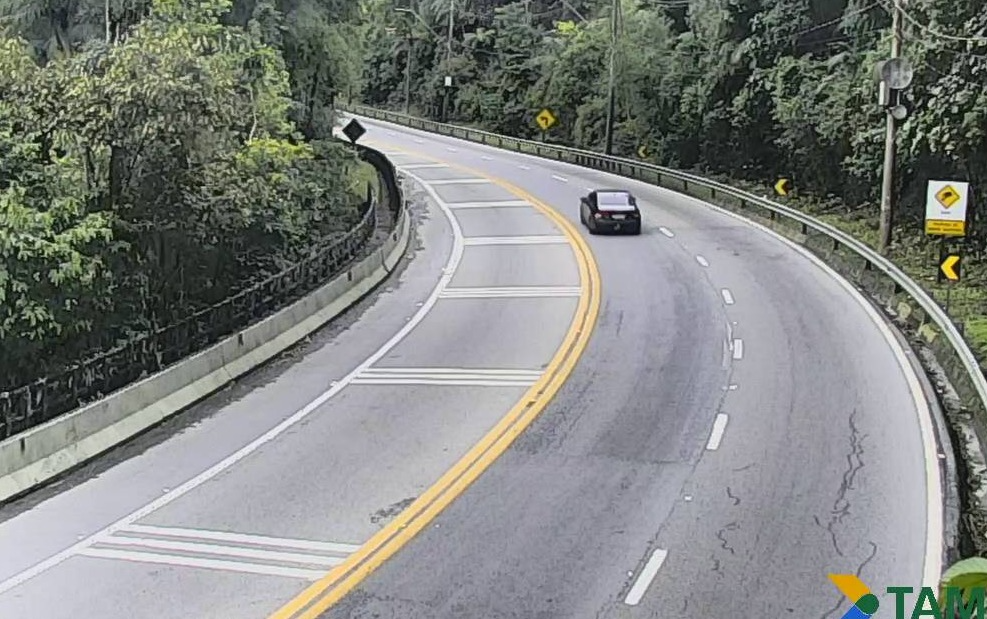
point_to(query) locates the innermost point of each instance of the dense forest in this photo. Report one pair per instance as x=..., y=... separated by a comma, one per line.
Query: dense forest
x=753, y=88
x=155, y=157
x=747, y=91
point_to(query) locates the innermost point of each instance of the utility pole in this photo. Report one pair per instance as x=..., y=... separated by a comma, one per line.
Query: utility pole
x=611, y=90
x=448, y=81
x=887, y=185
x=407, y=75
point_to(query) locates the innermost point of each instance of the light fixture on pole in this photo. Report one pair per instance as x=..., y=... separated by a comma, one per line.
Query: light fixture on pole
x=894, y=76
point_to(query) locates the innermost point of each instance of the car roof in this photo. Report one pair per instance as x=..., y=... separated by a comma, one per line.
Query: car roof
x=624, y=191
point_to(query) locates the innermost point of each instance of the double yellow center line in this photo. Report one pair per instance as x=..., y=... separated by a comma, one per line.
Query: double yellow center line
x=324, y=593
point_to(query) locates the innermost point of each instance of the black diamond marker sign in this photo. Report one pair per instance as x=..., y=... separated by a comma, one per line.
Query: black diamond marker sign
x=354, y=130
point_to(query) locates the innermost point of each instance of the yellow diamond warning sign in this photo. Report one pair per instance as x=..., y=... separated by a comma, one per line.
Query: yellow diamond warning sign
x=947, y=196
x=945, y=208
x=546, y=119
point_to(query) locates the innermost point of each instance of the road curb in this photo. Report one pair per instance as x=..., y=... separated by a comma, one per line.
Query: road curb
x=37, y=456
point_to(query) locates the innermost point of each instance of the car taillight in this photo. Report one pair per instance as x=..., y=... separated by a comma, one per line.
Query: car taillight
x=599, y=215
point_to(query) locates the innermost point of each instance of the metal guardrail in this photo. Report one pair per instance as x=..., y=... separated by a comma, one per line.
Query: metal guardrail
x=862, y=265
x=148, y=353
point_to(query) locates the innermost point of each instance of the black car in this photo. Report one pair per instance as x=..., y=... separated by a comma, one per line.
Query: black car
x=612, y=210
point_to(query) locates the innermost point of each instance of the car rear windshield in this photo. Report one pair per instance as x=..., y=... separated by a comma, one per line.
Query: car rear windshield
x=613, y=200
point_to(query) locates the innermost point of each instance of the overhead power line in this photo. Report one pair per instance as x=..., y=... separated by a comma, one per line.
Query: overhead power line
x=897, y=5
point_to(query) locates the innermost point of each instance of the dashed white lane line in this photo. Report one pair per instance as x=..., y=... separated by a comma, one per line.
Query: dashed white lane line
x=646, y=577
x=485, y=158
x=561, y=179
x=419, y=141
x=524, y=167
x=727, y=296
x=702, y=261
x=667, y=232
x=451, y=149
x=716, y=436
x=738, y=349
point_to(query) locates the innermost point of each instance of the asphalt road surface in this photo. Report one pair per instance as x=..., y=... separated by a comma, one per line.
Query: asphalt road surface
x=737, y=425
x=741, y=425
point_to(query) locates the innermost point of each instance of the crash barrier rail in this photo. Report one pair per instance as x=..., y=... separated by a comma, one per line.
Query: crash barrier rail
x=152, y=352
x=904, y=298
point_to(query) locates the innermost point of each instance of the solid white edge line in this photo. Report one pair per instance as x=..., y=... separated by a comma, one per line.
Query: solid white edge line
x=727, y=296
x=242, y=538
x=165, y=499
x=209, y=564
x=934, y=541
x=646, y=577
x=716, y=435
x=702, y=261
x=738, y=349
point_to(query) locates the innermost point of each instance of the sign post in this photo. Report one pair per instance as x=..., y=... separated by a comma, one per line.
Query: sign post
x=946, y=216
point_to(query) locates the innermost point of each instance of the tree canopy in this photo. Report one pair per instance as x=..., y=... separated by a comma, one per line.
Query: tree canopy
x=153, y=163
x=752, y=89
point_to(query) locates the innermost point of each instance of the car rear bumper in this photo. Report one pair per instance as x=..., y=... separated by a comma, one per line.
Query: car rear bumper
x=628, y=225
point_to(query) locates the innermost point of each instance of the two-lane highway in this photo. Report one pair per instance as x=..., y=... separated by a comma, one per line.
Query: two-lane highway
x=742, y=424
x=531, y=422
x=239, y=513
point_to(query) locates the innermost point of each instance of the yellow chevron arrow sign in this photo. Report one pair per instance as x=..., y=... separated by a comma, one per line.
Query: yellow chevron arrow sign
x=782, y=186
x=950, y=267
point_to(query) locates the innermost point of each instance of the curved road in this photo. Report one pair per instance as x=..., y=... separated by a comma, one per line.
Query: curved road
x=739, y=425
x=730, y=478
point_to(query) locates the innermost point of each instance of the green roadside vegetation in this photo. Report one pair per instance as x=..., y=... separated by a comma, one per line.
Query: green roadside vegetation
x=746, y=92
x=156, y=157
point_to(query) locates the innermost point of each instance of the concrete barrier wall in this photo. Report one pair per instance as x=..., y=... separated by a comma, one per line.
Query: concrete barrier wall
x=34, y=457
